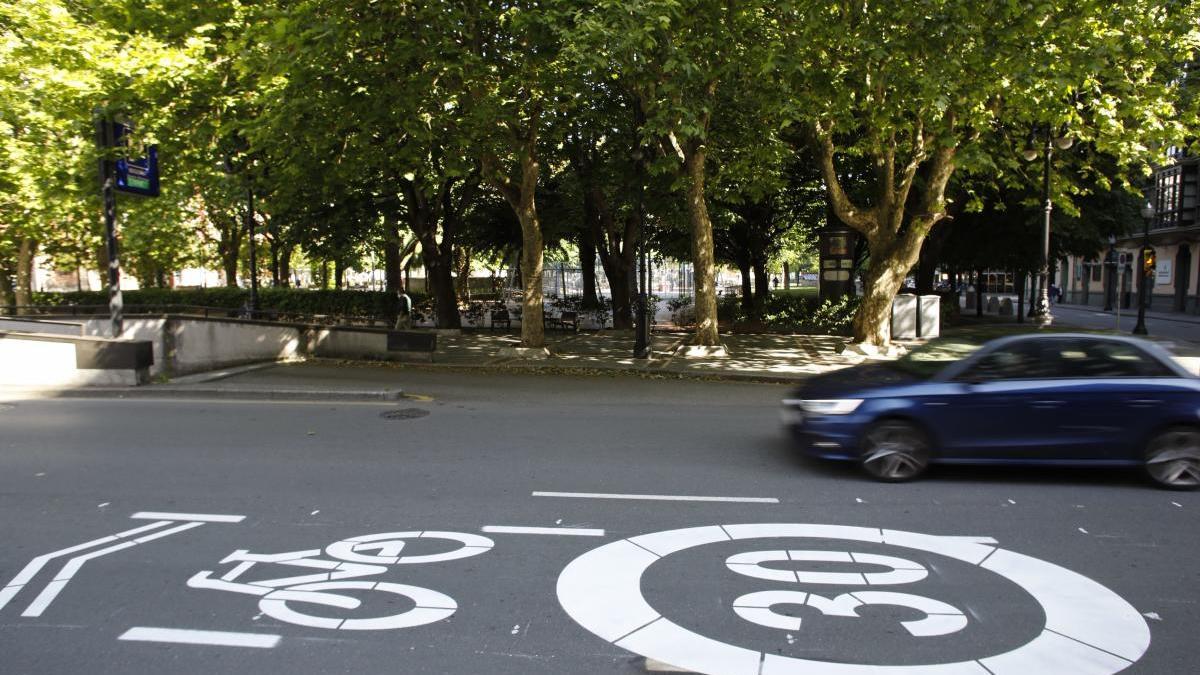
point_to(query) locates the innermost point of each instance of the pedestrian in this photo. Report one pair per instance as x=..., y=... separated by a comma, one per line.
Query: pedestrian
x=404, y=313
x=776, y=282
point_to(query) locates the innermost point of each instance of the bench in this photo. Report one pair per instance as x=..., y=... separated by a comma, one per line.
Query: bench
x=569, y=320
x=500, y=316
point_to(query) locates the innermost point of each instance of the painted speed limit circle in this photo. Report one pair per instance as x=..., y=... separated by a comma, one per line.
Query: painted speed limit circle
x=1088, y=629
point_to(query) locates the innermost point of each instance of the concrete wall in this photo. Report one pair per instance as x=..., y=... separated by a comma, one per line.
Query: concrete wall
x=35, y=326
x=185, y=344
x=44, y=360
x=195, y=344
x=351, y=344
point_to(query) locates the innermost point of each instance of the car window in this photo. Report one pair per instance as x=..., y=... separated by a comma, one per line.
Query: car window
x=1018, y=361
x=1102, y=358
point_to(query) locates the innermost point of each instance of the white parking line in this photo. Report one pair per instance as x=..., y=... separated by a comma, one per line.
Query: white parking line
x=202, y=517
x=661, y=498
x=200, y=637
x=565, y=531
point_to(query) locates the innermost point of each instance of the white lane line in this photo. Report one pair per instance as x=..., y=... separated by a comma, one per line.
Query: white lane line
x=565, y=531
x=29, y=571
x=202, y=517
x=200, y=637
x=661, y=498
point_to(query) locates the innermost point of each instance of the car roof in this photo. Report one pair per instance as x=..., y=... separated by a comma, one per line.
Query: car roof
x=1154, y=349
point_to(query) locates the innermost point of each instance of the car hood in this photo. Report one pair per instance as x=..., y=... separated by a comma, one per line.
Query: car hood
x=867, y=379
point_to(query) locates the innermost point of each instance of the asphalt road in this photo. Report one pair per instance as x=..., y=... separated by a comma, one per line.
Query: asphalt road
x=1064, y=571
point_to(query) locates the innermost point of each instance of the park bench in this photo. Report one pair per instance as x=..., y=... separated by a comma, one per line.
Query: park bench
x=569, y=320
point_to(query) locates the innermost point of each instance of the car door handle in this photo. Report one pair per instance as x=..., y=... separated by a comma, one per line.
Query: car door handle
x=1047, y=403
x=1143, y=402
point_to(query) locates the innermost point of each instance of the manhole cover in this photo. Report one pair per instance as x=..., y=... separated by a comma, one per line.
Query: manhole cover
x=404, y=414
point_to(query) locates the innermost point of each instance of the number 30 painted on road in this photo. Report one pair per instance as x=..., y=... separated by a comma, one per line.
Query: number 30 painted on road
x=940, y=618
x=1088, y=628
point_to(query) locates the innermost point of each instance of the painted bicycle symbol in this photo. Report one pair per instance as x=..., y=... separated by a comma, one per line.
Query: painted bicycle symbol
x=349, y=560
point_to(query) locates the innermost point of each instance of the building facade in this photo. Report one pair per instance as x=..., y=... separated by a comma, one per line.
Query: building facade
x=1174, y=234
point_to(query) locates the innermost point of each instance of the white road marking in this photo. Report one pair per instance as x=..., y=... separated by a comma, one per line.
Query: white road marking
x=663, y=498
x=565, y=531
x=100, y=506
x=203, y=517
x=200, y=637
x=1178, y=504
x=52, y=589
x=30, y=570
x=1152, y=615
x=1088, y=628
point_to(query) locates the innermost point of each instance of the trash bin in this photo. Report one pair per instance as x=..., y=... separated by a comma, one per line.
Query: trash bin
x=907, y=325
x=904, y=317
x=929, y=323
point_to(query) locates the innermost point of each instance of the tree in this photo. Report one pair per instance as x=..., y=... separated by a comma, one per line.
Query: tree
x=916, y=88
x=674, y=56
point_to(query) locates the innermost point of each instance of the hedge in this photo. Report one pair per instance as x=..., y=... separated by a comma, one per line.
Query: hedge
x=288, y=301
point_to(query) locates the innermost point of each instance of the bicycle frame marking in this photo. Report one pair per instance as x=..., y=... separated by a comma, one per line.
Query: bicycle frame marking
x=355, y=557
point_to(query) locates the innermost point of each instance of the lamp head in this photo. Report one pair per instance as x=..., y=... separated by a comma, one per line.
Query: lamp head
x=1147, y=211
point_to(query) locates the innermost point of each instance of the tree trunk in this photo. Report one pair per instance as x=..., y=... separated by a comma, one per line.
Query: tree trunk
x=339, y=271
x=873, y=321
x=8, y=273
x=703, y=258
x=285, y=265
x=229, y=248
x=587, y=264
x=787, y=276
x=392, y=281
x=762, y=288
x=462, y=270
x=439, y=283
x=23, y=289
x=520, y=195
x=747, y=289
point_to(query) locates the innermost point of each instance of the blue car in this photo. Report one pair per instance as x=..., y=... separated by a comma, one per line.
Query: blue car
x=1061, y=399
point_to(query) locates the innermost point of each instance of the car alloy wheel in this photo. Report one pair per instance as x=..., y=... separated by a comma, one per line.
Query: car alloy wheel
x=895, y=451
x=1173, y=458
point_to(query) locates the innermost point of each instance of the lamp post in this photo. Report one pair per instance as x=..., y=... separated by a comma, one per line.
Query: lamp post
x=1041, y=309
x=641, y=340
x=1147, y=269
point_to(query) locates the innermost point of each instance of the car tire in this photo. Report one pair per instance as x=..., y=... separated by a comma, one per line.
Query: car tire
x=894, y=451
x=1173, y=458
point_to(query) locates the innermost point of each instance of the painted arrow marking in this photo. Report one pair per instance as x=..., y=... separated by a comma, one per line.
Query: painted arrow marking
x=119, y=541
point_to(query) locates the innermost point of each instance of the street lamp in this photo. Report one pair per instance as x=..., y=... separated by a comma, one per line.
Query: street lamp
x=1110, y=273
x=1041, y=309
x=641, y=340
x=1147, y=269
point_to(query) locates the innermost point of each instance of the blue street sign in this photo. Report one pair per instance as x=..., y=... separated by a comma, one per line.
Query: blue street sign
x=138, y=176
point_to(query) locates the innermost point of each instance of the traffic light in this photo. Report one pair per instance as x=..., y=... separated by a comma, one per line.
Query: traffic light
x=1148, y=261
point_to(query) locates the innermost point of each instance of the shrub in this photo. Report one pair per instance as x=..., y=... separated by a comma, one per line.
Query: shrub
x=290, y=302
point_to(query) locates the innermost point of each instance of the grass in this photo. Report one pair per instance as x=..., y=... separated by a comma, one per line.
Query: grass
x=805, y=291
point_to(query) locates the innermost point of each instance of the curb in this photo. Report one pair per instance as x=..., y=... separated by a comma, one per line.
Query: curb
x=545, y=368
x=224, y=393
x=214, y=375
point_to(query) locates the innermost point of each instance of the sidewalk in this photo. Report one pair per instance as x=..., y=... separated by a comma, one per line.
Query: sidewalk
x=755, y=357
x=767, y=358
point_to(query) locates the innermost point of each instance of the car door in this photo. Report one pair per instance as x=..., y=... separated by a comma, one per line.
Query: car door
x=987, y=417
x=1106, y=399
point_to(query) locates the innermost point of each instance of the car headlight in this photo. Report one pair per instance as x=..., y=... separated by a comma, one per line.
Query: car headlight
x=831, y=406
